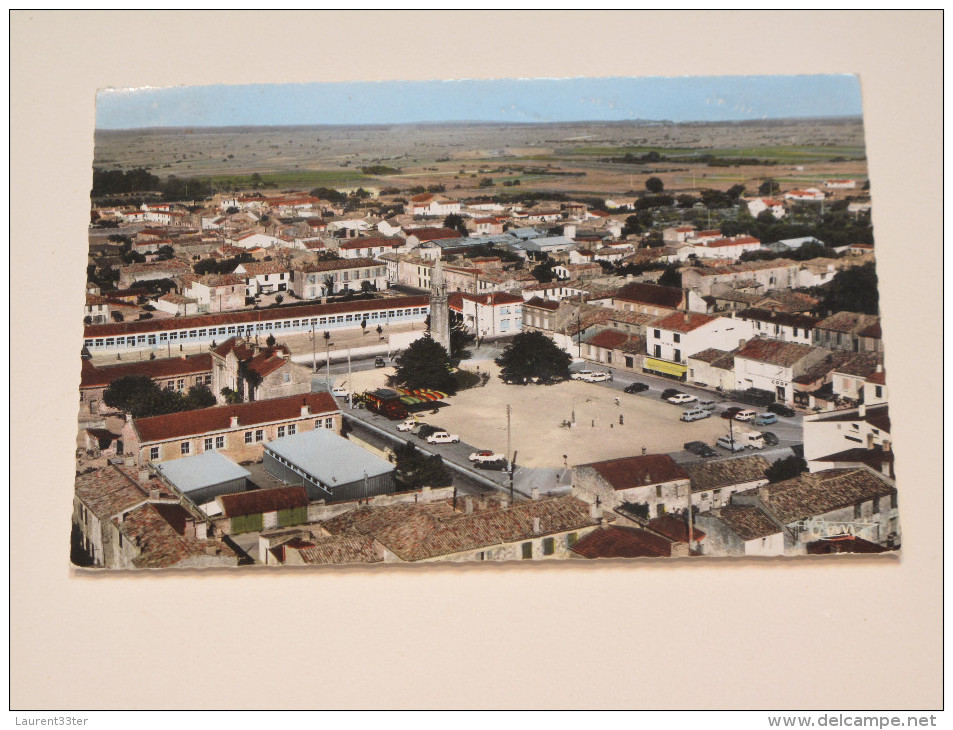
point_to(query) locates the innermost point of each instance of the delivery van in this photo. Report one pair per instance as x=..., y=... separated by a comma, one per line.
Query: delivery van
x=695, y=414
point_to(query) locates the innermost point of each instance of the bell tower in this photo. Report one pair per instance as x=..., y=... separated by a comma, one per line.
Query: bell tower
x=439, y=307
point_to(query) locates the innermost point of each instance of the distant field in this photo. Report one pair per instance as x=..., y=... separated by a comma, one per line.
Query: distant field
x=773, y=154
x=289, y=178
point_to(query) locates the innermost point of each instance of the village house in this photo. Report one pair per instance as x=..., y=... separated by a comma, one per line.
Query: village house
x=720, y=248
x=255, y=239
x=473, y=528
x=849, y=378
x=654, y=481
x=713, y=368
x=264, y=277
x=713, y=482
x=315, y=279
x=539, y=315
x=215, y=292
x=428, y=204
x=415, y=237
x=781, y=326
x=169, y=269
x=672, y=339
x=865, y=428
x=239, y=430
x=777, y=274
x=359, y=248
x=618, y=541
x=261, y=509
x=487, y=226
x=739, y=530
x=774, y=206
x=256, y=373
x=677, y=234
x=875, y=387
x=176, y=305
x=810, y=195
x=647, y=299
x=174, y=373
x=849, y=331
x=489, y=315
x=840, y=184
x=773, y=365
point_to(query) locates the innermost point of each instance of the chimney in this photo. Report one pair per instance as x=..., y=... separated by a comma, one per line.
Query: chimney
x=535, y=493
x=305, y=410
x=130, y=460
x=483, y=501
x=201, y=530
x=504, y=503
x=647, y=479
x=595, y=512
x=468, y=505
x=886, y=446
x=536, y=526
x=862, y=410
x=880, y=367
x=183, y=356
x=233, y=422
x=154, y=493
x=885, y=468
x=763, y=493
x=604, y=523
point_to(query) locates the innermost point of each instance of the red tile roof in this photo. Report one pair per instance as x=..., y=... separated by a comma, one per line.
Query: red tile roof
x=675, y=528
x=623, y=542
x=247, y=317
x=259, y=501
x=432, y=234
x=748, y=523
x=336, y=265
x=495, y=299
x=660, y=296
x=774, y=352
x=812, y=495
x=358, y=243
x=844, y=544
x=218, y=418
x=682, y=321
x=638, y=471
x=99, y=377
x=160, y=544
x=542, y=304
x=739, y=241
x=608, y=339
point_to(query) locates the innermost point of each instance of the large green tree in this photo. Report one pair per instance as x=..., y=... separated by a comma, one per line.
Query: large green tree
x=654, y=185
x=532, y=356
x=787, y=468
x=425, y=364
x=141, y=397
x=853, y=290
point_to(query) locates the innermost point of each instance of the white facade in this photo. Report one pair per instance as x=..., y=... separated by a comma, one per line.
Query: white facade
x=486, y=318
x=676, y=343
x=831, y=432
x=759, y=205
x=255, y=240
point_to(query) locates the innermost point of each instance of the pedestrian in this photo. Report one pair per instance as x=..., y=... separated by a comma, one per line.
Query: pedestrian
x=618, y=402
x=621, y=422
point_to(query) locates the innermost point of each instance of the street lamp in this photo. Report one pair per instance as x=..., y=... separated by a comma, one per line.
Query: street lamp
x=327, y=359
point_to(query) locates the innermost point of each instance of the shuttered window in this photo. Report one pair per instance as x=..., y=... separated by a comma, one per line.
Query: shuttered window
x=294, y=516
x=247, y=523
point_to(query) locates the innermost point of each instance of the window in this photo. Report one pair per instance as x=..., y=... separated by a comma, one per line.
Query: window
x=248, y=437
x=678, y=356
x=658, y=351
x=856, y=511
x=629, y=362
x=549, y=546
x=329, y=422
x=893, y=500
x=658, y=491
x=180, y=385
x=208, y=444
x=677, y=337
x=319, y=423
x=795, y=331
x=219, y=442
x=281, y=431
x=878, y=391
x=572, y=538
x=657, y=334
x=153, y=453
x=527, y=551
x=259, y=436
x=876, y=508
x=186, y=448
x=292, y=429
x=286, y=378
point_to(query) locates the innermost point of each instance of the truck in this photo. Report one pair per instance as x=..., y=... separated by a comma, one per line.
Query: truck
x=749, y=437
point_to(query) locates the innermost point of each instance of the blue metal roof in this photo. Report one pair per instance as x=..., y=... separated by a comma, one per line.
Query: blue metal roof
x=204, y=470
x=330, y=458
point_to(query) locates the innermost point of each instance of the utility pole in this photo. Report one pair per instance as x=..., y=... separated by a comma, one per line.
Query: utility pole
x=350, y=393
x=327, y=360
x=314, y=350
x=508, y=440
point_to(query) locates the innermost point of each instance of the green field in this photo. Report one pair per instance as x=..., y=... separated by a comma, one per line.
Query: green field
x=292, y=178
x=775, y=154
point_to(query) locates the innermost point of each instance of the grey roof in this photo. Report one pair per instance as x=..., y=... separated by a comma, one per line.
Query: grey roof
x=726, y=472
x=798, y=242
x=525, y=233
x=545, y=242
x=330, y=458
x=200, y=471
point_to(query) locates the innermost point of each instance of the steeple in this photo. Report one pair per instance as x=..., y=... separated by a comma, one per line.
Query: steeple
x=439, y=306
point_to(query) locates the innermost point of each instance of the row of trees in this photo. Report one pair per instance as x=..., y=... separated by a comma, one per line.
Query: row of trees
x=141, y=397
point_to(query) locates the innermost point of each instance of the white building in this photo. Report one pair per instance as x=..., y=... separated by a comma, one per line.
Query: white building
x=772, y=365
x=783, y=326
x=672, y=339
x=428, y=204
x=489, y=315
x=757, y=206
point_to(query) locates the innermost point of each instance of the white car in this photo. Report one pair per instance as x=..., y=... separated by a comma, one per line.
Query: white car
x=680, y=398
x=339, y=392
x=745, y=415
x=483, y=456
x=408, y=425
x=598, y=377
x=582, y=375
x=442, y=437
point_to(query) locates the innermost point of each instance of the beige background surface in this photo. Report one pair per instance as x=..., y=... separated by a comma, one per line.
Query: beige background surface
x=767, y=634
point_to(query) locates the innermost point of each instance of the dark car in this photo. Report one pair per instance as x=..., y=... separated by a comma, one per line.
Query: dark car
x=669, y=392
x=426, y=430
x=769, y=438
x=635, y=388
x=498, y=465
x=730, y=413
x=782, y=410
x=379, y=362
x=699, y=448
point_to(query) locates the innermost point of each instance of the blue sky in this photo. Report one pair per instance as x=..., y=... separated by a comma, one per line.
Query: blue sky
x=679, y=99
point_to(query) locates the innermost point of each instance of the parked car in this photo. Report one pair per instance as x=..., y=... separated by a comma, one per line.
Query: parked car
x=749, y=438
x=669, y=392
x=442, y=437
x=598, y=377
x=379, y=362
x=409, y=425
x=339, y=392
x=694, y=414
x=426, y=429
x=727, y=443
x=782, y=410
x=635, y=388
x=498, y=465
x=680, y=398
x=581, y=375
x=485, y=456
x=769, y=438
x=699, y=448
x=746, y=415
x=729, y=413
x=765, y=419
x=708, y=405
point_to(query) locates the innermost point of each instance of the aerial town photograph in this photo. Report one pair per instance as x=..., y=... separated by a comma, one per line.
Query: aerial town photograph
x=512, y=320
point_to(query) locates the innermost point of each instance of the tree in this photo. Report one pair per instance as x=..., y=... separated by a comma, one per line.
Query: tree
x=545, y=271
x=685, y=201
x=199, y=396
x=486, y=183
x=139, y=396
x=654, y=185
x=270, y=341
x=853, y=290
x=230, y=395
x=531, y=356
x=671, y=277
x=460, y=340
x=364, y=326
x=416, y=469
x=785, y=469
x=279, y=298
x=632, y=226
x=456, y=223
x=424, y=364
x=735, y=191
x=769, y=187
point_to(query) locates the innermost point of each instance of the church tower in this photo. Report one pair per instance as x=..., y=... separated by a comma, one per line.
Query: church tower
x=439, y=307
